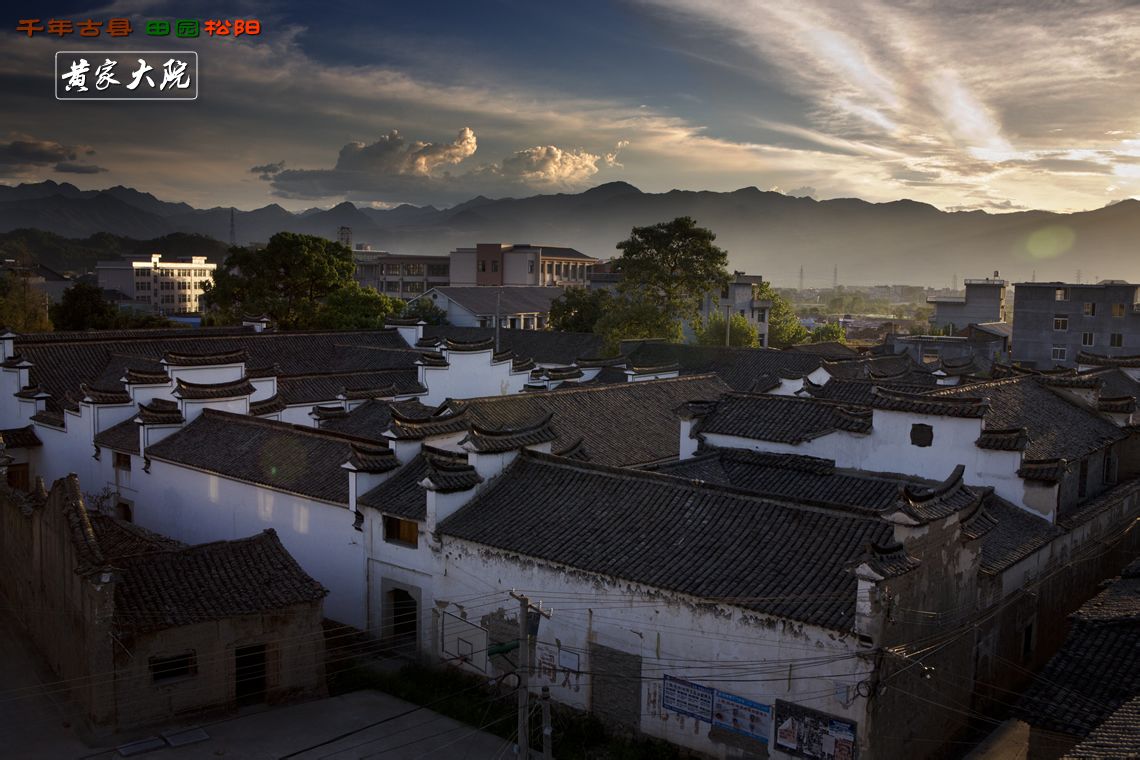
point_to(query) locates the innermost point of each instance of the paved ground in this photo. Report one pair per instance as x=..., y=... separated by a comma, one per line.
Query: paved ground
x=35, y=720
x=281, y=731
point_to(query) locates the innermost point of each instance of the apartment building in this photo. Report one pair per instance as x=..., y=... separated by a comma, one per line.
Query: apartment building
x=173, y=286
x=1056, y=321
x=983, y=301
x=520, y=264
x=399, y=275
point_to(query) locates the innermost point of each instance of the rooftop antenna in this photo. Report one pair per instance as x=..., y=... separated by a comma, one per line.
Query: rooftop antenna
x=835, y=277
x=954, y=286
x=233, y=229
x=801, y=278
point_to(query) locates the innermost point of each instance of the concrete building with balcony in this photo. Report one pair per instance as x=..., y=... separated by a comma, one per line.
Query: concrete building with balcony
x=1056, y=321
x=739, y=297
x=520, y=264
x=983, y=301
x=165, y=287
x=399, y=275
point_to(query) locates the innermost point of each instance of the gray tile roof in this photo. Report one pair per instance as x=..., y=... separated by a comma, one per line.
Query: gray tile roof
x=1097, y=669
x=1116, y=738
x=857, y=391
x=744, y=369
x=915, y=403
x=372, y=418
x=292, y=458
x=121, y=437
x=210, y=391
x=486, y=301
x=1056, y=427
x=313, y=388
x=827, y=349
x=782, y=419
x=647, y=528
x=1097, y=360
x=624, y=424
x=402, y=495
x=20, y=438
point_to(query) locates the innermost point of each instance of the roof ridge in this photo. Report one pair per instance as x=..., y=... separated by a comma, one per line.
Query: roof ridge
x=563, y=391
x=290, y=427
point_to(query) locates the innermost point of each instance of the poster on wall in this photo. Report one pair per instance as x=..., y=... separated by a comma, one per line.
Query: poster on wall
x=687, y=698
x=804, y=732
x=741, y=715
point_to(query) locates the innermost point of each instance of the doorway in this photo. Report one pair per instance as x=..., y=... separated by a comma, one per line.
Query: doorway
x=404, y=623
x=249, y=674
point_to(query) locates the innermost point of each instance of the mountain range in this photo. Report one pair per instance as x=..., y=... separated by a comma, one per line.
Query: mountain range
x=764, y=232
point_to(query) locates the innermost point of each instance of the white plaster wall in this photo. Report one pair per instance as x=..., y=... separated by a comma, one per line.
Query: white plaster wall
x=67, y=451
x=299, y=415
x=263, y=388
x=668, y=631
x=12, y=413
x=144, y=394
x=197, y=507
x=471, y=374
x=222, y=373
x=191, y=409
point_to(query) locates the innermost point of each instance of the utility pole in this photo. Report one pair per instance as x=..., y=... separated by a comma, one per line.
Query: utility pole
x=727, y=325
x=233, y=229
x=498, y=318
x=801, y=277
x=524, y=672
x=1078, y=277
x=547, y=752
x=835, y=277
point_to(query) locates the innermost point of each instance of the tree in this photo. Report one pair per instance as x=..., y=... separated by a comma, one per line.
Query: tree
x=740, y=332
x=82, y=307
x=672, y=265
x=23, y=307
x=832, y=331
x=353, y=307
x=425, y=311
x=579, y=309
x=632, y=319
x=288, y=279
x=784, y=328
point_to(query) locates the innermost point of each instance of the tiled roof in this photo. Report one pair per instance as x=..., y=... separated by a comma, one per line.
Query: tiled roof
x=487, y=301
x=121, y=437
x=545, y=346
x=104, y=396
x=1046, y=470
x=175, y=359
x=62, y=361
x=145, y=377
x=402, y=496
x=914, y=403
x=783, y=419
x=479, y=344
x=1097, y=669
x=741, y=368
x=214, y=581
x=498, y=440
x=857, y=391
x=270, y=405
x=894, y=366
x=292, y=458
x=1117, y=405
x=1016, y=535
x=647, y=528
x=372, y=418
x=1116, y=738
x=623, y=424
x=1003, y=440
x=204, y=391
x=20, y=438
x=415, y=428
x=827, y=349
x=311, y=389
x=371, y=458
x=1057, y=427
x=160, y=411
x=1096, y=360
x=119, y=538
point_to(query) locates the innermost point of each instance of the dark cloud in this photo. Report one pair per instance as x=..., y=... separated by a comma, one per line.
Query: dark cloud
x=70, y=167
x=990, y=205
x=266, y=171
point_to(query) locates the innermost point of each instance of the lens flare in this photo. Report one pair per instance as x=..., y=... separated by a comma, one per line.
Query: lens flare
x=1050, y=242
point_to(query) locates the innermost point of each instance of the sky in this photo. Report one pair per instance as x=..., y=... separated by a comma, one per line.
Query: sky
x=999, y=106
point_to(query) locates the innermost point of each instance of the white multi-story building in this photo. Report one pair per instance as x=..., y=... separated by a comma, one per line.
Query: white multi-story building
x=166, y=287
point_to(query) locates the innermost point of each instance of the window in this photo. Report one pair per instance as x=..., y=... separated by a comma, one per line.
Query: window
x=1083, y=479
x=1108, y=467
x=1116, y=340
x=179, y=666
x=392, y=286
x=437, y=270
x=414, y=270
x=1086, y=339
x=1028, y=641
x=1060, y=322
x=392, y=269
x=530, y=267
x=921, y=435
x=121, y=461
x=397, y=531
x=1062, y=294
x=414, y=287
x=1118, y=310
x=494, y=266
x=1089, y=309
x=1059, y=353
x=482, y=266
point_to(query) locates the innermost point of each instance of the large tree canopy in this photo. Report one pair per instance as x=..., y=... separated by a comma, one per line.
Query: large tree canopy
x=23, y=307
x=288, y=279
x=740, y=333
x=673, y=265
x=82, y=307
x=784, y=328
x=352, y=307
x=578, y=309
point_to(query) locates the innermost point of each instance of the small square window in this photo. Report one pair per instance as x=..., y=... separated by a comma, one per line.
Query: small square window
x=1060, y=322
x=1089, y=309
x=1062, y=294
x=921, y=435
x=1116, y=340
x=1059, y=353
x=494, y=266
x=179, y=666
x=1086, y=339
x=404, y=532
x=1118, y=310
x=121, y=461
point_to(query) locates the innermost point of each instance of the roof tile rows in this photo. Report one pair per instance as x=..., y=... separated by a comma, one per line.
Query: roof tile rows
x=781, y=419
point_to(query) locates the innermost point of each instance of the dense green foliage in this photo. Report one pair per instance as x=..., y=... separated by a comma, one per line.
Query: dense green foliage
x=741, y=334
x=673, y=265
x=82, y=307
x=579, y=309
x=784, y=328
x=23, y=307
x=289, y=280
x=631, y=319
x=352, y=307
x=425, y=311
x=832, y=331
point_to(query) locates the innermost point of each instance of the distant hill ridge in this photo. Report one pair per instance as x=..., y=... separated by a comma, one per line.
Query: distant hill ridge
x=764, y=231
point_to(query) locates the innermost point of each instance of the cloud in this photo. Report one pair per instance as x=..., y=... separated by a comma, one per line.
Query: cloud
x=393, y=169
x=266, y=171
x=71, y=167
x=24, y=154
